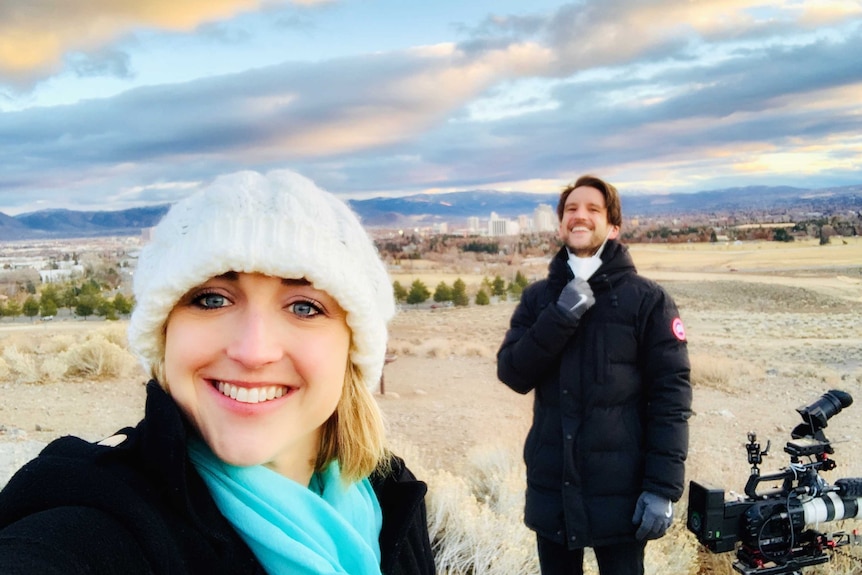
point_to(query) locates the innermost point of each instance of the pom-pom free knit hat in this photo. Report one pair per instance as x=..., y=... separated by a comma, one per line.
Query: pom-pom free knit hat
x=279, y=224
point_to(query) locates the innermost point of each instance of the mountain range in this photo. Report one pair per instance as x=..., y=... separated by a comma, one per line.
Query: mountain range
x=456, y=207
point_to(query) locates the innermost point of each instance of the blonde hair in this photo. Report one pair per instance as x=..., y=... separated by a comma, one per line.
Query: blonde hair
x=355, y=433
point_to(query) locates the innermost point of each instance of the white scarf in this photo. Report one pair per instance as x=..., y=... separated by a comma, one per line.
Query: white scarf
x=585, y=267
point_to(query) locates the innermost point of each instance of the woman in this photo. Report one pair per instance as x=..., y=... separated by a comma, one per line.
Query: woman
x=261, y=316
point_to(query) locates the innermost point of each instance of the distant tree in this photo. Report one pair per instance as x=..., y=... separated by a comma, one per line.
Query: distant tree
x=399, y=291
x=781, y=235
x=31, y=307
x=47, y=307
x=86, y=305
x=713, y=237
x=418, y=292
x=13, y=308
x=105, y=308
x=515, y=290
x=442, y=293
x=31, y=287
x=498, y=286
x=516, y=287
x=459, y=293
x=482, y=298
x=50, y=293
x=90, y=287
x=122, y=304
x=69, y=297
x=481, y=247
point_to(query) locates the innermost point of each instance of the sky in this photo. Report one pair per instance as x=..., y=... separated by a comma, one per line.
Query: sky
x=113, y=104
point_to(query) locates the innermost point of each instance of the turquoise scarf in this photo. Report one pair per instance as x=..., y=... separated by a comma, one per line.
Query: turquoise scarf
x=326, y=528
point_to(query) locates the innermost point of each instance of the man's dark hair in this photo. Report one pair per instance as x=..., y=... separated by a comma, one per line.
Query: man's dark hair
x=612, y=197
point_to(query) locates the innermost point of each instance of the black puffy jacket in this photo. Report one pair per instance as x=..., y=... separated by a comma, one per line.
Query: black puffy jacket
x=141, y=508
x=612, y=400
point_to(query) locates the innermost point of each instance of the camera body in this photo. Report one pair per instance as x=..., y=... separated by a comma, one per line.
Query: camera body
x=769, y=528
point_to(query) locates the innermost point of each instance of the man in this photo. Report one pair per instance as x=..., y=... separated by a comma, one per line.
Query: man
x=605, y=352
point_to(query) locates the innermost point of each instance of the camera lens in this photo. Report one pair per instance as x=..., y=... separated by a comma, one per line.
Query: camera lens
x=830, y=403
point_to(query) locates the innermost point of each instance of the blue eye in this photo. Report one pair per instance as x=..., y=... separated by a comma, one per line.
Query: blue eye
x=210, y=301
x=304, y=309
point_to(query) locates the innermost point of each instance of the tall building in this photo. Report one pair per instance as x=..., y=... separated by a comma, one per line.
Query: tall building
x=544, y=218
x=498, y=226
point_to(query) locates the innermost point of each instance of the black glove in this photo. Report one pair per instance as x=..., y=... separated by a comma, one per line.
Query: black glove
x=654, y=513
x=576, y=298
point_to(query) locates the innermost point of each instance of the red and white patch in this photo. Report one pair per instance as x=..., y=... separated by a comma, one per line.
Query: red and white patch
x=678, y=329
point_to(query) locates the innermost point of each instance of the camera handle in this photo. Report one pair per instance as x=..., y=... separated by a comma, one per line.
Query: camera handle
x=755, y=478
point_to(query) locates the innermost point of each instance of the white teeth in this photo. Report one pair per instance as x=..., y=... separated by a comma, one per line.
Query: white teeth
x=251, y=395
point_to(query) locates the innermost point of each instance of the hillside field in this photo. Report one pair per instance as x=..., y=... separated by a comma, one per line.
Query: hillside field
x=771, y=327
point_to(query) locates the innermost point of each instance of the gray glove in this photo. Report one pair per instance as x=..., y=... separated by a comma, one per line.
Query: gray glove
x=654, y=513
x=576, y=298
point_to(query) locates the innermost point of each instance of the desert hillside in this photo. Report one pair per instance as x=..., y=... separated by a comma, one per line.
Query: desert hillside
x=771, y=327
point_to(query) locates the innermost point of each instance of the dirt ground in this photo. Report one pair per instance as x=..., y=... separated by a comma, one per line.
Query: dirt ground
x=763, y=342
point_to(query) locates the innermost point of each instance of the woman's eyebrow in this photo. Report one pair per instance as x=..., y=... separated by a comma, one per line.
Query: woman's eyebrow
x=233, y=276
x=228, y=276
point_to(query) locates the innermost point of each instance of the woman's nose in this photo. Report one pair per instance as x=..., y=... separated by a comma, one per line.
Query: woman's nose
x=256, y=341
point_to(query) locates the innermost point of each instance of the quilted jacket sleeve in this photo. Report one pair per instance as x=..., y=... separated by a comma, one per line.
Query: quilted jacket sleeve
x=667, y=377
x=538, y=332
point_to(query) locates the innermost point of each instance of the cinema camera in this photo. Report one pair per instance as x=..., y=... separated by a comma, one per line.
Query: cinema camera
x=776, y=528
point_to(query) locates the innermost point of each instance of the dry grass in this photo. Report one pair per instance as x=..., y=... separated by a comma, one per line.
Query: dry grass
x=441, y=348
x=46, y=358
x=475, y=518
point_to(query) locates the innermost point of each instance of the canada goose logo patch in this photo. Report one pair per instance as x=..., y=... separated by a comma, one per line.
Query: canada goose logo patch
x=678, y=329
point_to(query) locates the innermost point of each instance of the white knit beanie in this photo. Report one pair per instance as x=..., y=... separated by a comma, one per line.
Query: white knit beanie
x=279, y=224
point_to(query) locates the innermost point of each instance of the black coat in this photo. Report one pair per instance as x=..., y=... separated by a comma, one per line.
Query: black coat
x=612, y=400
x=141, y=508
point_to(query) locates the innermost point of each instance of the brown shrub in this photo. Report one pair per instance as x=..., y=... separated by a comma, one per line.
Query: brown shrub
x=97, y=357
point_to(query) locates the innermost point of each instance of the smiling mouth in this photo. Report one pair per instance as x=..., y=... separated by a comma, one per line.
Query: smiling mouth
x=251, y=394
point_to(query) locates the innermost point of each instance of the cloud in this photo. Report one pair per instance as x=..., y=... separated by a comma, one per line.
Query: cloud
x=104, y=62
x=35, y=36
x=290, y=112
x=589, y=35
x=656, y=95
